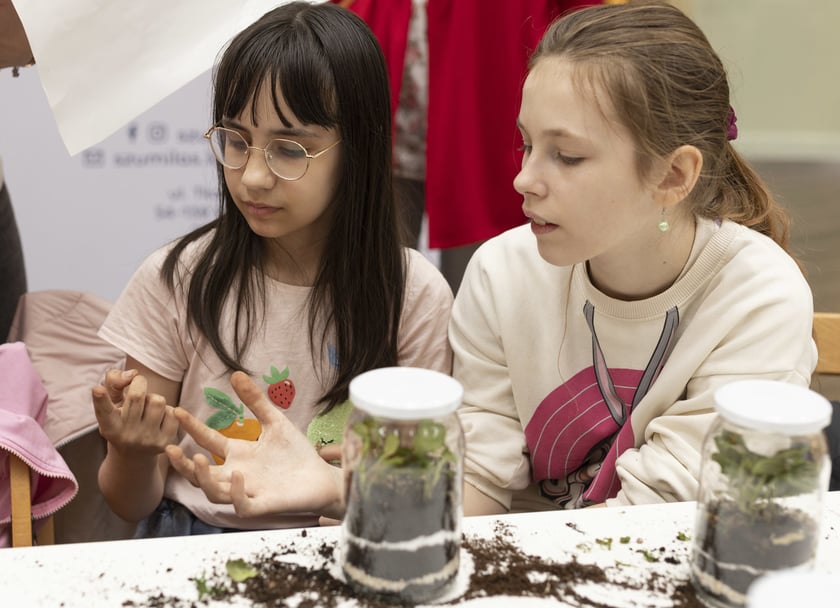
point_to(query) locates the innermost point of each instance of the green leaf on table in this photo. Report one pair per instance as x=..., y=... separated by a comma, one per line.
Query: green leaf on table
x=240, y=570
x=201, y=586
x=605, y=542
x=204, y=589
x=648, y=555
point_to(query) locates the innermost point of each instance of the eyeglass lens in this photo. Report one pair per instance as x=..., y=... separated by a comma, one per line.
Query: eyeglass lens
x=286, y=158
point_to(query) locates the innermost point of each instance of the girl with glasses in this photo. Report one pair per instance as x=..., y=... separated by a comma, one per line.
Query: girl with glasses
x=300, y=282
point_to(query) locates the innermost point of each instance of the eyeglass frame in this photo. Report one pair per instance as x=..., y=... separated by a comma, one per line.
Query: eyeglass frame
x=309, y=157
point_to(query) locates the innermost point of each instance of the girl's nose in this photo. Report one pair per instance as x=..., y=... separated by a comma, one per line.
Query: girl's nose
x=528, y=181
x=255, y=173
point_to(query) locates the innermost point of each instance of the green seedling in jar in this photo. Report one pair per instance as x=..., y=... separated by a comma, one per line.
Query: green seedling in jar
x=755, y=479
x=414, y=448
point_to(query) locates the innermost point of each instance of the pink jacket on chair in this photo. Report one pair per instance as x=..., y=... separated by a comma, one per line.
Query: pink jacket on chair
x=23, y=409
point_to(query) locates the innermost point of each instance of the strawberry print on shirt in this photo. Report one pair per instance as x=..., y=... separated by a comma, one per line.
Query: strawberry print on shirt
x=281, y=390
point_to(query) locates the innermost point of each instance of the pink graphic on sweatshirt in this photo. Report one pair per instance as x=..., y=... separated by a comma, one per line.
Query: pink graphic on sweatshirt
x=574, y=441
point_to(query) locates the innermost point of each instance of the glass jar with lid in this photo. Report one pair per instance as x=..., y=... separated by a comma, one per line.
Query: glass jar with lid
x=402, y=458
x=763, y=478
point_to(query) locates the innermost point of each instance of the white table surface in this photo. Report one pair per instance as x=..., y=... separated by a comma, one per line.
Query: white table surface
x=129, y=573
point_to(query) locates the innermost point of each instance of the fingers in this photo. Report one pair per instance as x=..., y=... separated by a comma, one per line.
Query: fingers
x=116, y=380
x=157, y=414
x=199, y=472
x=151, y=408
x=253, y=398
x=133, y=399
x=210, y=439
x=331, y=453
x=102, y=405
x=106, y=399
x=181, y=463
x=215, y=486
x=242, y=503
x=170, y=424
x=110, y=392
x=328, y=521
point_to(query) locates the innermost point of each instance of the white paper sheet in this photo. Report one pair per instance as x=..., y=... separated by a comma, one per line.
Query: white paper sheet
x=104, y=62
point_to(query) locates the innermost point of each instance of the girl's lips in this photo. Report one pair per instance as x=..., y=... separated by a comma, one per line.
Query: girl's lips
x=260, y=210
x=539, y=228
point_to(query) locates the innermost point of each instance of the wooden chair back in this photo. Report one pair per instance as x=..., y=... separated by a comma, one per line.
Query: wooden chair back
x=19, y=481
x=827, y=332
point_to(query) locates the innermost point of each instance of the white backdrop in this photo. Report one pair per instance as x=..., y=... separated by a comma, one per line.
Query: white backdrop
x=87, y=221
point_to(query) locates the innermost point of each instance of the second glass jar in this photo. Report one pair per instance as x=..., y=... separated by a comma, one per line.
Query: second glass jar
x=763, y=478
x=403, y=469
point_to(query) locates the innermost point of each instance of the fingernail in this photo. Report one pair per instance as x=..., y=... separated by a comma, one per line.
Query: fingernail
x=129, y=373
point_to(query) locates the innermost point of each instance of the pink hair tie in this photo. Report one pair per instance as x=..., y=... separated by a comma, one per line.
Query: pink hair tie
x=731, y=127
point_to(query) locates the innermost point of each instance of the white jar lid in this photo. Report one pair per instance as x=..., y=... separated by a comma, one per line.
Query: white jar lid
x=406, y=393
x=769, y=405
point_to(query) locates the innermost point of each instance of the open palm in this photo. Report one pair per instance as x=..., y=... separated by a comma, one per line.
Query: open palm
x=281, y=472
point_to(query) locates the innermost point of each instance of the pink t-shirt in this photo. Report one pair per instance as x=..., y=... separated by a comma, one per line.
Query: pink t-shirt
x=149, y=324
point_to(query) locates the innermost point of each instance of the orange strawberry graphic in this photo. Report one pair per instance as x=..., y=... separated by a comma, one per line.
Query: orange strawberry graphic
x=281, y=390
x=229, y=420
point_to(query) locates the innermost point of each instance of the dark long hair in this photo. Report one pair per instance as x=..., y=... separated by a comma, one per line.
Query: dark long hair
x=669, y=88
x=331, y=72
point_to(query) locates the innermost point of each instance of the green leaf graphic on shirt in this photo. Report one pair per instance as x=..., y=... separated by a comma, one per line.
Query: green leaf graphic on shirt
x=230, y=420
x=326, y=429
x=228, y=412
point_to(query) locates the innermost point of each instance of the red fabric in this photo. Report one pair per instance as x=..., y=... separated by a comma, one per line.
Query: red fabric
x=388, y=20
x=478, y=53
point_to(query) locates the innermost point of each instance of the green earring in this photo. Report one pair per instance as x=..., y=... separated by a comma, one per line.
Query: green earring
x=663, y=223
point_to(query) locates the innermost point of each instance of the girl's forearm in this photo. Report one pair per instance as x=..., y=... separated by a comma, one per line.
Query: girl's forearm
x=132, y=484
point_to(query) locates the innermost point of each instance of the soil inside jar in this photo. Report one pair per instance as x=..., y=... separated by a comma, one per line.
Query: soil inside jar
x=389, y=521
x=736, y=547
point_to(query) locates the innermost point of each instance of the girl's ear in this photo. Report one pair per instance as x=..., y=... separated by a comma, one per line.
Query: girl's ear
x=682, y=168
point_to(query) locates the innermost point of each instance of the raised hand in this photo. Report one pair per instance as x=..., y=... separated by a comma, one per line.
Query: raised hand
x=130, y=418
x=281, y=472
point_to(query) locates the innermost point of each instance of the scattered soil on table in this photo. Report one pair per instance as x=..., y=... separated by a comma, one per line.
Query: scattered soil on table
x=500, y=568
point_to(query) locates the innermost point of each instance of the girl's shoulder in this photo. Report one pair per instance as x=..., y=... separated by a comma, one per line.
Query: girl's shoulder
x=742, y=267
x=748, y=251
x=512, y=261
x=149, y=271
x=423, y=277
x=516, y=246
x=186, y=257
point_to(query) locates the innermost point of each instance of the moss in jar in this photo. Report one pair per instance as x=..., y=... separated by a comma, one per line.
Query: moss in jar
x=415, y=448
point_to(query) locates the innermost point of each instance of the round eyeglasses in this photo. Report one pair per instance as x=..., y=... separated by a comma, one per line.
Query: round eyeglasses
x=287, y=159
